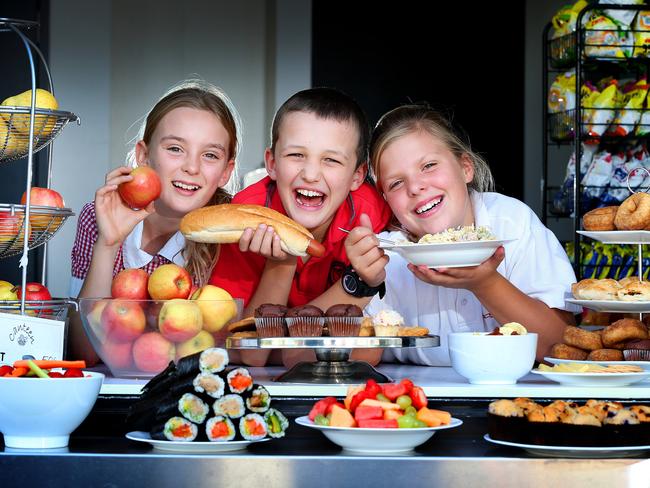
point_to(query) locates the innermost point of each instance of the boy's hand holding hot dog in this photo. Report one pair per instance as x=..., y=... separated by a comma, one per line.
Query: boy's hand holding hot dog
x=364, y=253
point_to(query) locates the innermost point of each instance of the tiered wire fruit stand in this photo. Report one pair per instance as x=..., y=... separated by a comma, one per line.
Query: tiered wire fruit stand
x=26, y=227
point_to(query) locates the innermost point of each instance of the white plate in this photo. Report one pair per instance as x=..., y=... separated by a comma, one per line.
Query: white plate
x=447, y=254
x=594, y=379
x=642, y=364
x=184, y=446
x=377, y=441
x=618, y=236
x=573, y=451
x=612, y=305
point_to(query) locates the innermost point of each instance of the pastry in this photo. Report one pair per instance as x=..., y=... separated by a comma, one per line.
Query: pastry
x=564, y=351
x=600, y=219
x=617, y=334
x=584, y=339
x=606, y=355
x=344, y=320
x=591, y=289
x=305, y=321
x=638, y=350
x=634, y=212
x=387, y=323
x=634, y=291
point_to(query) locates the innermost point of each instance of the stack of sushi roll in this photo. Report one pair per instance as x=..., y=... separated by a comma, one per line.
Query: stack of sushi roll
x=199, y=399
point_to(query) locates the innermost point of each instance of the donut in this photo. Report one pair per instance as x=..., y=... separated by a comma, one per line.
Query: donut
x=605, y=355
x=600, y=218
x=617, y=334
x=583, y=339
x=564, y=351
x=590, y=289
x=634, y=291
x=634, y=212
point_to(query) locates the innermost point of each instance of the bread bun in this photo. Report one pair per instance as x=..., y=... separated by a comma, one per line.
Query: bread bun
x=226, y=223
x=600, y=219
x=635, y=291
x=591, y=289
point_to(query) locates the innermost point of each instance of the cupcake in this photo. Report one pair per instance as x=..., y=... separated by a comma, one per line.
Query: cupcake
x=305, y=321
x=269, y=320
x=344, y=320
x=387, y=323
x=638, y=350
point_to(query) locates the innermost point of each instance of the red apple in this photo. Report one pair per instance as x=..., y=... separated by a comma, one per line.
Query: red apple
x=131, y=284
x=152, y=352
x=123, y=320
x=9, y=226
x=169, y=281
x=143, y=189
x=35, y=291
x=180, y=320
x=43, y=196
x=117, y=355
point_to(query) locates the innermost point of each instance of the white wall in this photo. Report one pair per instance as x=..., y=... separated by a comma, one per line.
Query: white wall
x=111, y=60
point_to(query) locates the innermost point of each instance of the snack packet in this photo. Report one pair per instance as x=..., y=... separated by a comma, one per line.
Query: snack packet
x=563, y=198
x=597, y=177
x=604, y=104
x=623, y=17
x=561, y=94
x=642, y=34
x=605, y=38
x=564, y=21
x=634, y=100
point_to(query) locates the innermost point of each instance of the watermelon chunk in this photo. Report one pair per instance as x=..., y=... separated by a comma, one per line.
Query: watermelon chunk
x=378, y=424
x=366, y=413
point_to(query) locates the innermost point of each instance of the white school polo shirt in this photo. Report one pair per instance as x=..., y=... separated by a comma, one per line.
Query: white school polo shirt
x=535, y=262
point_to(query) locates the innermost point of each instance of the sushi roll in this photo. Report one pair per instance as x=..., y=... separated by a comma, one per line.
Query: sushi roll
x=259, y=400
x=220, y=429
x=212, y=360
x=252, y=427
x=231, y=406
x=209, y=383
x=175, y=429
x=276, y=423
x=193, y=408
x=239, y=380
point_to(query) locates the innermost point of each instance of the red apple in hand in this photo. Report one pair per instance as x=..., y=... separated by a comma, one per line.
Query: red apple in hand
x=131, y=284
x=169, y=281
x=123, y=320
x=143, y=189
x=43, y=196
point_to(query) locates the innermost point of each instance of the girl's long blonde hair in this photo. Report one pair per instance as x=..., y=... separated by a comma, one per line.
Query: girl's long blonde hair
x=411, y=118
x=200, y=258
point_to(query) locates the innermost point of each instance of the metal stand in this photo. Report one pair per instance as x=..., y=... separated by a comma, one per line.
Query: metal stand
x=332, y=365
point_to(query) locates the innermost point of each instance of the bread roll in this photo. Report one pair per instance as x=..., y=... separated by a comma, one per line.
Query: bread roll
x=635, y=291
x=226, y=223
x=591, y=289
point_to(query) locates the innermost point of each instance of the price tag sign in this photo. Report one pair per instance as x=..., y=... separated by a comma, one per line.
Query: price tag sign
x=23, y=334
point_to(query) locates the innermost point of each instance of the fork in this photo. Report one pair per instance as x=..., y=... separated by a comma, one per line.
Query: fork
x=381, y=239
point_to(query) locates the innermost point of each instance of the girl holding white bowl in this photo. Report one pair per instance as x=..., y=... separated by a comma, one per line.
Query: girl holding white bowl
x=433, y=181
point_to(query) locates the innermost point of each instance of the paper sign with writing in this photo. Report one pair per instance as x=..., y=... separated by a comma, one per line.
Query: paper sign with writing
x=23, y=334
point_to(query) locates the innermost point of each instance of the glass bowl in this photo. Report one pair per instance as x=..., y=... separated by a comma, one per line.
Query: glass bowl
x=138, y=338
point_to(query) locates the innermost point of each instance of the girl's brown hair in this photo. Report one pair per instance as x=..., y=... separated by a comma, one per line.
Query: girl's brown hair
x=200, y=258
x=411, y=118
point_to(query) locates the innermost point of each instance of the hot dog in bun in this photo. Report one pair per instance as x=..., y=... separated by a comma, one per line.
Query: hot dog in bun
x=226, y=223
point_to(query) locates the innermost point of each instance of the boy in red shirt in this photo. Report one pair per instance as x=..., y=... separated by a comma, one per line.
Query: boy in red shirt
x=317, y=166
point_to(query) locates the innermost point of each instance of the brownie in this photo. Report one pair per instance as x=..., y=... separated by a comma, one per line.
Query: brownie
x=344, y=310
x=270, y=310
x=305, y=311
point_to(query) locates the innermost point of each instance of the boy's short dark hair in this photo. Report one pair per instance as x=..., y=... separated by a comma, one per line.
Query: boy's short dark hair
x=326, y=103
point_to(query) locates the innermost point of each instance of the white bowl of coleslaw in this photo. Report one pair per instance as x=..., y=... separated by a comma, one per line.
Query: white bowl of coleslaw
x=452, y=248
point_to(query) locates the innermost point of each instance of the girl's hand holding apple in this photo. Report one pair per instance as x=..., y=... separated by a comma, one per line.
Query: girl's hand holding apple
x=115, y=219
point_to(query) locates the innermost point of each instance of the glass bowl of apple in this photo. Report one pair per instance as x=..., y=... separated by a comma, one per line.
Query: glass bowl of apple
x=137, y=337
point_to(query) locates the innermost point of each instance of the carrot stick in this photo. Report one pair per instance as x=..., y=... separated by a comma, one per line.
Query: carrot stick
x=50, y=363
x=19, y=371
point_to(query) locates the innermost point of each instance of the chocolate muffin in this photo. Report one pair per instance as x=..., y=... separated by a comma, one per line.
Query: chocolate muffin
x=269, y=320
x=344, y=320
x=638, y=350
x=305, y=321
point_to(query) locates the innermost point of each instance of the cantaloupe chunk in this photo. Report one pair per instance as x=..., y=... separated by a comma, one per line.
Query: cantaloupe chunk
x=392, y=414
x=432, y=417
x=369, y=402
x=340, y=417
x=352, y=390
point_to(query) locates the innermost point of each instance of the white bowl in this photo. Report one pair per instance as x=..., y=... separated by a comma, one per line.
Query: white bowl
x=42, y=412
x=447, y=254
x=492, y=360
x=377, y=441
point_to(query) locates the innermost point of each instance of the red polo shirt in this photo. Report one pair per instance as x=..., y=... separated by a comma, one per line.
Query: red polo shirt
x=240, y=273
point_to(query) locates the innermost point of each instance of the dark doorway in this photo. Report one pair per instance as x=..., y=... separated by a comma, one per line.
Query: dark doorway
x=462, y=57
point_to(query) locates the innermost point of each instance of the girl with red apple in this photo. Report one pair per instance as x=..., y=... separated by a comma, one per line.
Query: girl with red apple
x=190, y=139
